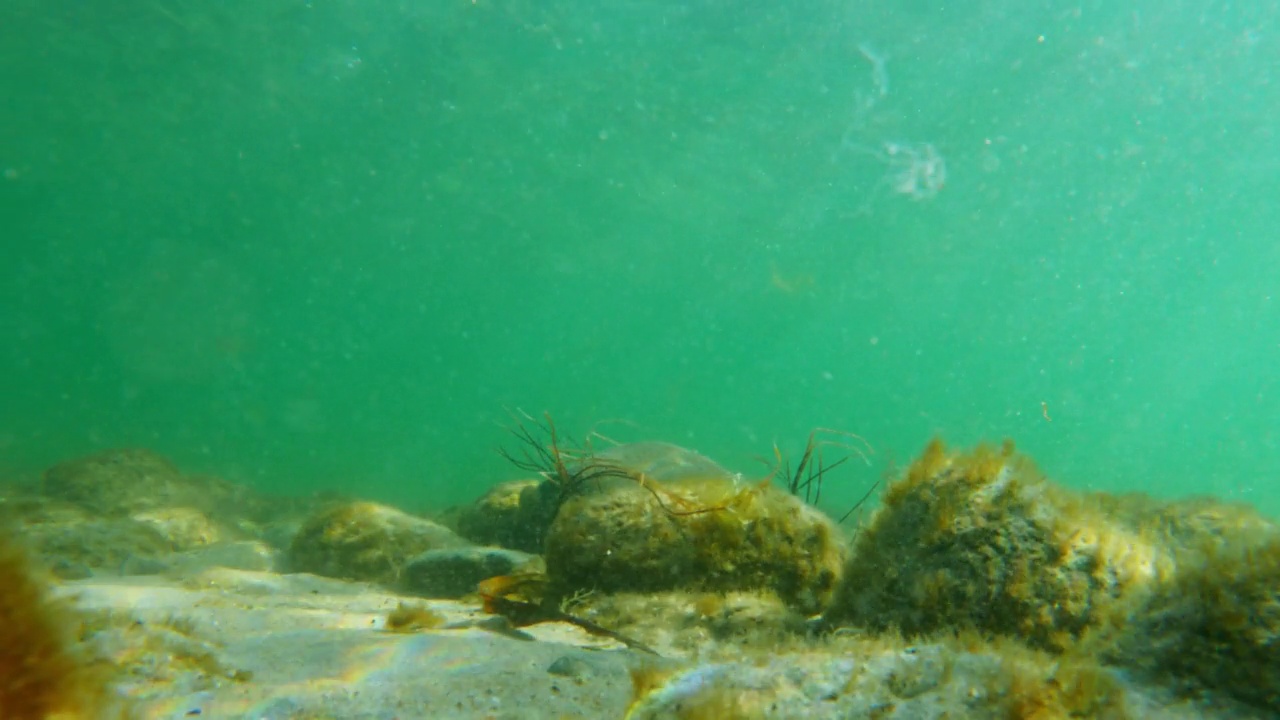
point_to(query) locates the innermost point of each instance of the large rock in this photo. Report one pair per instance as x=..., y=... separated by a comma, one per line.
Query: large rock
x=1211, y=629
x=77, y=542
x=365, y=541
x=981, y=541
x=191, y=510
x=511, y=515
x=669, y=519
x=118, y=482
x=128, y=481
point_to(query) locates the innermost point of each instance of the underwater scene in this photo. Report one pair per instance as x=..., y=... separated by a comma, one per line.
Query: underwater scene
x=625, y=360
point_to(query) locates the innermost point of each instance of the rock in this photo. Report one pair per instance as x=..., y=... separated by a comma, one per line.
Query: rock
x=574, y=666
x=508, y=515
x=1212, y=629
x=889, y=678
x=663, y=518
x=231, y=644
x=365, y=541
x=89, y=546
x=455, y=572
x=122, y=482
x=185, y=528
x=981, y=541
x=119, y=482
x=225, y=643
x=76, y=543
x=1178, y=598
x=1191, y=525
x=660, y=461
x=280, y=533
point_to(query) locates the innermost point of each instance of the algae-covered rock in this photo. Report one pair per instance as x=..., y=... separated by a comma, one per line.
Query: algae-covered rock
x=511, y=515
x=669, y=519
x=131, y=481
x=74, y=544
x=365, y=541
x=518, y=514
x=118, y=546
x=1194, y=525
x=981, y=540
x=185, y=528
x=1213, y=628
x=77, y=542
x=119, y=482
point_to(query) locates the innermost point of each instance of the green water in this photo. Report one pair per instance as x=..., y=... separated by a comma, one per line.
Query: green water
x=326, y=245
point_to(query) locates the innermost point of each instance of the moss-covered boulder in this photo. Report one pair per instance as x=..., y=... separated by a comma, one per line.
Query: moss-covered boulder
x=185, y=528
x=980, y=540
x=511, y=515
x=1193, y=526
x=365, y=541
x=75, y=542
x=114, y=546
x=1211, y=629
x=669, y=519
x=128, y=481
x=119, y=482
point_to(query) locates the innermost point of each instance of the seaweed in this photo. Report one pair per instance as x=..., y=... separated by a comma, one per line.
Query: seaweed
x=518, y=598
x=541, y=452
x=570, y=469
x=812, y=469
x=44, y=671
x=406, y=618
